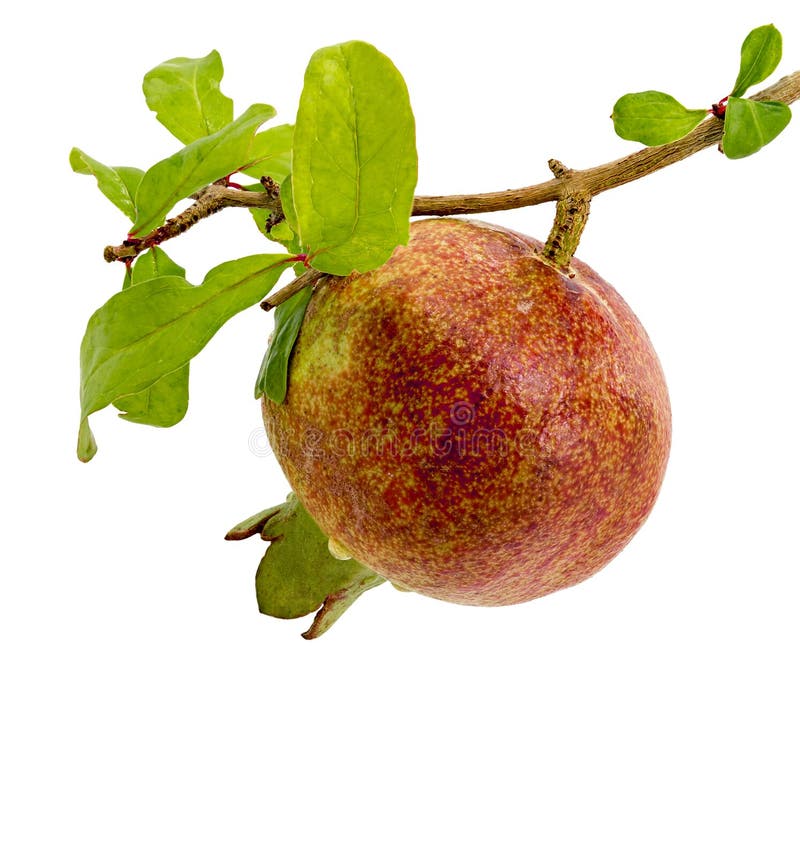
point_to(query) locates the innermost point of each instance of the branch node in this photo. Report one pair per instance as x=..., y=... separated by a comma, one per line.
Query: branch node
x=558, y=169
x=271, y=187
x=572, y=212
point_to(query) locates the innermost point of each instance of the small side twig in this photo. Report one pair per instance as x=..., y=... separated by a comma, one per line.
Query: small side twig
x=307, y=278
x=572, y=212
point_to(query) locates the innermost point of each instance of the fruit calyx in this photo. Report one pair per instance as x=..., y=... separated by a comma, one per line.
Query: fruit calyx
x=298, y=573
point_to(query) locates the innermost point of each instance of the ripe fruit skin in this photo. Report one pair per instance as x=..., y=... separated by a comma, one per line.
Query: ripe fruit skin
x=470, y=422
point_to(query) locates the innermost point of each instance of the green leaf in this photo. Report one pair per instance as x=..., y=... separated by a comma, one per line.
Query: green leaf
x=282, y=233
x=298, y=573
x=260, y=215
x=653, y=118
x=196, y=165
x=273, y=376
x=164, y=403
x=761, y=53
x=750, y=125
x=118, y=184
x=287, y=204
x=87, y=446
x=287, y=231
x=354, y=164
x=154, y=263
x=184, y=94
x=152, y=329
x=272, y=154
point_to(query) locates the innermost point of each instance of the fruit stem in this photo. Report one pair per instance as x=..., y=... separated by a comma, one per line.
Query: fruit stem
x=572, y=212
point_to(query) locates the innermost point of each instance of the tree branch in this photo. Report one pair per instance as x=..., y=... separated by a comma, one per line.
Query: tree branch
x=581, y=184
x=572, y=212
x=209, y=200
x=606, y=176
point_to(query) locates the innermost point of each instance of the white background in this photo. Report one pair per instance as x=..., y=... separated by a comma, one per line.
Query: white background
x=148, y=707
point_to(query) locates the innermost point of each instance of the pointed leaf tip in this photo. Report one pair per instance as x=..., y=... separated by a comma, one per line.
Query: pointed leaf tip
x=761, y=53
x=117, y=184
x=87, y=446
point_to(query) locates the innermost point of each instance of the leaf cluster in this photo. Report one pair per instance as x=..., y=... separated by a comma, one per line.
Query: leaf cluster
x=346, y=169
x=656, y=118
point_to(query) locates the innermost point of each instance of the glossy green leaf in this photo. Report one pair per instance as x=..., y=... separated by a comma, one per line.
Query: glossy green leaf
x=653, y=118
x=154, y=263
x=298, y=574
x=354, y=164
x=761, y=53
x=750, y=125
x=273, y=376
x=118, y=184
x=152, y=329
x=184, y=94
x=165, y=402
x=272, y=154
x=196, y=165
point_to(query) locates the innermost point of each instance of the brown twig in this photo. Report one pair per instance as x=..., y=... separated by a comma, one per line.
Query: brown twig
x=307, y=278
x=209, y=200
x=572, y=212
x=606, y=176
x=580, y=183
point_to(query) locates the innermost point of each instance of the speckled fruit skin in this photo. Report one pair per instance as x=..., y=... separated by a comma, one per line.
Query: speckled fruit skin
x=470, y=422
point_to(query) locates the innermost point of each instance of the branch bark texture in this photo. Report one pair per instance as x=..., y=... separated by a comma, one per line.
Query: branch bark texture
x=577, y=184
x=606, y=176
